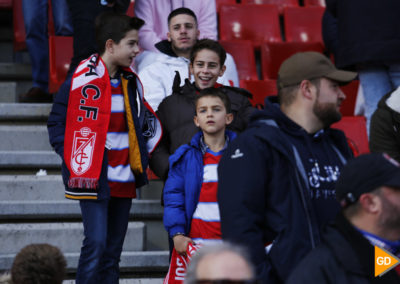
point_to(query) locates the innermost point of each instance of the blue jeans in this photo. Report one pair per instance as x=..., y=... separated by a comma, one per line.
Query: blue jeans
x=36, y=20
x=105, y=223
x=376, y=81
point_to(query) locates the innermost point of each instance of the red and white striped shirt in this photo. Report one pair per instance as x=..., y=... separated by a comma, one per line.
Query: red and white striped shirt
x=206, y=226
x=120, y=177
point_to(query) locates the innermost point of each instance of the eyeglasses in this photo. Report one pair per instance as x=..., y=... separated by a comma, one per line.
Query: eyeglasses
x=227, y=281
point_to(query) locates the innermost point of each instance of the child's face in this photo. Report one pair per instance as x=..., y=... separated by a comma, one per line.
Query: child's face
x=126, y=50
x=206, y=68
x=211, y=115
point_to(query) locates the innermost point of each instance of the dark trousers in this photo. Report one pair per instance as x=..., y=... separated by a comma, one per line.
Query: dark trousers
x=105, y=223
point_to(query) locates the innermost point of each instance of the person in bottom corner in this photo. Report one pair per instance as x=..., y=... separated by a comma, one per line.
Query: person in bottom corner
x=103, y=130
x=191, y=212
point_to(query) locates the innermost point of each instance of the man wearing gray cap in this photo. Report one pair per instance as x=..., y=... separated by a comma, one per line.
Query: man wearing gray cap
x=277, y=179
x=369, y=191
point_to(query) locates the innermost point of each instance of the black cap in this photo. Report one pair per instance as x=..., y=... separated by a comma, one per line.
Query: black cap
x=365, y=174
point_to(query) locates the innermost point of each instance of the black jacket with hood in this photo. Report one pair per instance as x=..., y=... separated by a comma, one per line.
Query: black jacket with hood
x=264, y=195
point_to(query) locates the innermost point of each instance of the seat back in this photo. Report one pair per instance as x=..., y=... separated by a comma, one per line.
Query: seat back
x=303, y=24
x=260, y=89
x=354, y=127
x=257, y=23
x=281, y=4
x=60, y=54
x=18, y=26
x=320, y=3
x=349, y=104
x=274, y=53
x=243, y=53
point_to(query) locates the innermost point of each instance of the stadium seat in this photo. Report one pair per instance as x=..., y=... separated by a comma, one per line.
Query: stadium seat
x=281, y=4
x=243, y=53
x=6, y=4
x=274, y=53
x=349, y=104
x=257, y=23
x=219, y=3
x=131, y=9
x=354, y=127
x=260, y=89
x=60, y=54
x=18, y=26
x=303, y=24
x=320, y=3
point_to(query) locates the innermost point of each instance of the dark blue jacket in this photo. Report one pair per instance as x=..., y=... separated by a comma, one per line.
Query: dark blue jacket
x=56, y=130
x=368, y=31
x=263, y=192
x=182, y=188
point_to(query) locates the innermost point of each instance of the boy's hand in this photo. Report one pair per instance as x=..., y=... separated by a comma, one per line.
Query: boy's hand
x=180, y=243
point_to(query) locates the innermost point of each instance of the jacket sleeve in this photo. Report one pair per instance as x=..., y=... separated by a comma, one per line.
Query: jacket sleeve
x=242, y=191
x=157, y=83
x=383, y=137
x=207, y=19
x=246, y=110
x=159, y=163
x=148, y=36
x=57, y=118
x=174, y=201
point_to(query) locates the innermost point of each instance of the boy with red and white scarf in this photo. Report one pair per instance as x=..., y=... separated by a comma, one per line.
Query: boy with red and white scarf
x=104, y=130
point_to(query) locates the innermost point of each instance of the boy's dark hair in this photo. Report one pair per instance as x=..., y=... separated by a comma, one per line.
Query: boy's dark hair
x=181, y=11
x=216, y=93
x=39, y=263
x=111, y=25
x=210, y=45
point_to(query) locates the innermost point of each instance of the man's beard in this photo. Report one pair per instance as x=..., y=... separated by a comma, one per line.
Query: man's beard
x=326, y=112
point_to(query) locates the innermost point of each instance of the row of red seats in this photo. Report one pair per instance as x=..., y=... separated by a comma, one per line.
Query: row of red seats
x=281, y=4
x=260, y=23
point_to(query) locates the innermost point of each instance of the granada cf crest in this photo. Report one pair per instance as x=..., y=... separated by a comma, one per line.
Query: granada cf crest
x=82, y=151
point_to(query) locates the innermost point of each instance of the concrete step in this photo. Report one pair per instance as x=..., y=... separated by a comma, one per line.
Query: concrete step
x=131, y=261
x=15, y=71
x=24, y=112
x=24, y=138
x=10, y=90
x=29, y=160
x=67, y=236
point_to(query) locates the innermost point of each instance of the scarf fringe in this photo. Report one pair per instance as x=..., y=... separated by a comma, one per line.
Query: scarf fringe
x=80, y=182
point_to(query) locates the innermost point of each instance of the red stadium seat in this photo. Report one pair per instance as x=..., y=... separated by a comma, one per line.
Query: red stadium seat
x=320, y=3
x=243, y=53
x=356, y=132
x=131, y=9
x=18, y=26
x=303, y=24
x=274, y=53
x=349, y=104
x=219, y=3
x=257, y=23
x=260, y=89
x=60, y=54
x=6, y=4
x=281, y=4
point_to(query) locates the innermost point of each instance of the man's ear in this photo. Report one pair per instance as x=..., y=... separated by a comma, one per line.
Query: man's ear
x=222, y=71
x=169, y=36
x=229, y=118
x=196, y=121
x=191, y=68
x=370, y=203
x=197, y=33
x=306, y=87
